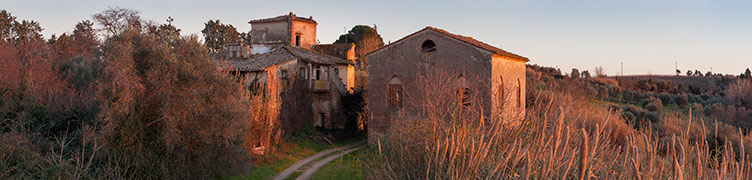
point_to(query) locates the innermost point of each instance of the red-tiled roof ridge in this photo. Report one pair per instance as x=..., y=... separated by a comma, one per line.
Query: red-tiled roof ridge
x=339, y=50
x=316, y=57
x=284, y=18
x=480, y=44
x=282, y=55
x=465, y=39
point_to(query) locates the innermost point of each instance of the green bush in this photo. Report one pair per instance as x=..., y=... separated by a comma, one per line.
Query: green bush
x=654, y=107
x=628, y=115
x=681, y=99
x=666, y=99
x=653, y=117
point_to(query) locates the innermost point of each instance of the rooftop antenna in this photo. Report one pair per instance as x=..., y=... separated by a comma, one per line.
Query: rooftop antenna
x=622, y=69
x=344, y=29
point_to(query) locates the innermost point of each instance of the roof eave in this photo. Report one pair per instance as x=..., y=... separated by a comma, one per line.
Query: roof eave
x=520, y=59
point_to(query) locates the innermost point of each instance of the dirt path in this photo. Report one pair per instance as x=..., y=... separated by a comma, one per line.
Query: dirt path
x=297, y=165
x=316, y=166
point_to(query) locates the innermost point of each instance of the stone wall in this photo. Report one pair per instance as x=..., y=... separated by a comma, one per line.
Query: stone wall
x=512, y=72
x=270, y=33
x=406, y=60
x=307, y=32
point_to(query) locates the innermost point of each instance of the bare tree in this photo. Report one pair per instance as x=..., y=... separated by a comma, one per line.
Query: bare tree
x=115, y=20
x=599, y=71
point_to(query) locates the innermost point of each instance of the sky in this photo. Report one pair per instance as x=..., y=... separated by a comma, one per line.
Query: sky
x=647, y=36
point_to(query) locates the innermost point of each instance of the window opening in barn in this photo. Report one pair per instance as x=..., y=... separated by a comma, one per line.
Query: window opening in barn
x=394, y=89
x=428, y=46
x=463, y=90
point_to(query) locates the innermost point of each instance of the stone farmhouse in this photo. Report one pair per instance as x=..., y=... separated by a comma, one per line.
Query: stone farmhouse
x=394, y=71
x=284, y=53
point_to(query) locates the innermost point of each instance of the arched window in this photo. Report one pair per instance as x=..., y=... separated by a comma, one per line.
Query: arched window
x=394, y=89
x=463, y=90
x=428, y=46
x=519, y=93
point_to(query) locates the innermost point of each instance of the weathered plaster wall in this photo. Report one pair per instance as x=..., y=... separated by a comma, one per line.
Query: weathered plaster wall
x=406, y=61
x=270, y=33
x=307, y=32
x=512, y=72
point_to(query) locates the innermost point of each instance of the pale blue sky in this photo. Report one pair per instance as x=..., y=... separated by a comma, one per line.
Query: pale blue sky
x=648, y=36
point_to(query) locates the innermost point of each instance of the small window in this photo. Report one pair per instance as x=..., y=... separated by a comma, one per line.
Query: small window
x=297, y=40
x=336, y=71
x=428, y=46
x=234, y=54
x=394, y=89
x=463, y=91
x=318, y=74
x=283, y=73
x=302, y=73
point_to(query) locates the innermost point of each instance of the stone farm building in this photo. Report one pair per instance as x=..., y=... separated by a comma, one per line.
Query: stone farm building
x=394, y=71
x=284, y=54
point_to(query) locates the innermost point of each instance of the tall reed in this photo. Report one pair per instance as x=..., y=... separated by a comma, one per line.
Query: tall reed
x=559, y=136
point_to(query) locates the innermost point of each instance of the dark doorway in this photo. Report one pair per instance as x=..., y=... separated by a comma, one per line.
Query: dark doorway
x=297, y=40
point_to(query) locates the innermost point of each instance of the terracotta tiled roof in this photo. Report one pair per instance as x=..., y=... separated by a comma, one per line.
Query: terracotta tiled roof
x=282, y=55
x=465, y=39
x=479, y=44
x=339, y=50
x=263, y=61
x=283, y=18
x=316, y=57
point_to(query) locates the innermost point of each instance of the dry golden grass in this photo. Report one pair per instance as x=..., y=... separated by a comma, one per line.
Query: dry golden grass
x=560, y=137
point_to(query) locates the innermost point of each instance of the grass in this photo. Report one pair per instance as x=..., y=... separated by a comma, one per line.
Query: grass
x=561, y=136
x=267, y=167
x=294, y=149
x=347, y=167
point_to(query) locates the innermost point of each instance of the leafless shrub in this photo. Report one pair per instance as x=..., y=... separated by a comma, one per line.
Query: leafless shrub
x=740, y=92
x=116, y=20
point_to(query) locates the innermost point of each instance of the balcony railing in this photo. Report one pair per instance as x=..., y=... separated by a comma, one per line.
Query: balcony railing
x=321, y=86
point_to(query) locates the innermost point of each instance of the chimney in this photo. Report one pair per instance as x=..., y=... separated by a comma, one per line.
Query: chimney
x=311, y=18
